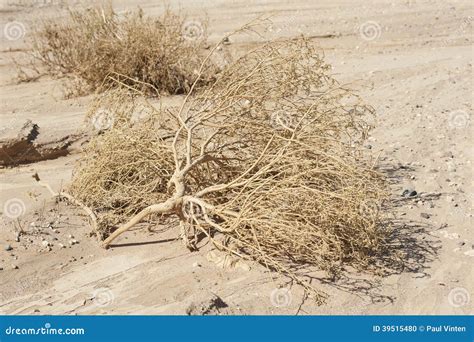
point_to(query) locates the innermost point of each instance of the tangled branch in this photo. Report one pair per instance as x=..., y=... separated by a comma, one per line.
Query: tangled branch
x=268, y=156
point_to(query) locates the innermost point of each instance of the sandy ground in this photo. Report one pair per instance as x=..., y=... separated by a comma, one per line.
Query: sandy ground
x=412, y=60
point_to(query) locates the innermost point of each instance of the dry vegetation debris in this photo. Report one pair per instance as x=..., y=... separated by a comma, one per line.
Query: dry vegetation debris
x=96, y=47
x=266, y=162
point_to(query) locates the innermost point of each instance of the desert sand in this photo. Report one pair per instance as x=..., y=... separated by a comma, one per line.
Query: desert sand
x=411, y=60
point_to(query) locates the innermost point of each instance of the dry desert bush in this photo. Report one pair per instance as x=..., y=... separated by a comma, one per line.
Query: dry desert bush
x=266, y=162
x=95, y=47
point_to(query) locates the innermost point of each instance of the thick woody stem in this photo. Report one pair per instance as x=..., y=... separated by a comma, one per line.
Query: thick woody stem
x=162, y=208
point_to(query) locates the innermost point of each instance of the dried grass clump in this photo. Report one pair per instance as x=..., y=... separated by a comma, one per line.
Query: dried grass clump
x=266, y=162
x=96, y=47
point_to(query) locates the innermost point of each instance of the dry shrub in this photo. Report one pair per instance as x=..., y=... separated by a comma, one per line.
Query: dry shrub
x=267, y=162
x=95, y=47
x=119, y=184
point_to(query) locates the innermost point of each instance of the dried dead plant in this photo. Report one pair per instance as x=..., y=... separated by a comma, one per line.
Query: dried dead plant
x=267, y=162
x=96, y=46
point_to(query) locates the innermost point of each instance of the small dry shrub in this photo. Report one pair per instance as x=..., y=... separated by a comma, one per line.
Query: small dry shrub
x=269, y=157
x=96, y=47
x=130, y=161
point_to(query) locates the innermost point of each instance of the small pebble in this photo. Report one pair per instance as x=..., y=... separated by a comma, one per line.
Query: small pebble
x=425, y=215
x=15, y=267
x=45, y=243
x=409, y=193
x=8, y=248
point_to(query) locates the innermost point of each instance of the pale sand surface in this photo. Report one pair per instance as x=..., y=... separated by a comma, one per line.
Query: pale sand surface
x=417, y=73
